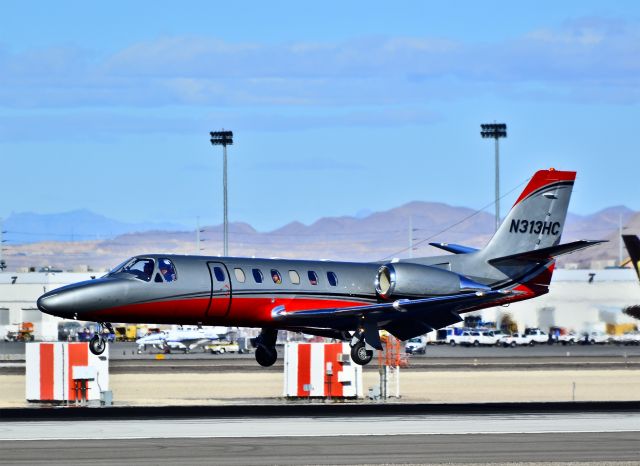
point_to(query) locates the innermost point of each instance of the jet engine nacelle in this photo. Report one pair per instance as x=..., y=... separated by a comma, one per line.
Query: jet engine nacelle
x=402, y=280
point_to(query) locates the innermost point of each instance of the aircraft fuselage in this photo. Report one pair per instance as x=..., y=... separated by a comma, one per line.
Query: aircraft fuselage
x=216, y=291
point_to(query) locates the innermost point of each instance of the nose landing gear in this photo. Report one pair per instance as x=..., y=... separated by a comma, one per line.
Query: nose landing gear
x=265, y=345
x=98, y=344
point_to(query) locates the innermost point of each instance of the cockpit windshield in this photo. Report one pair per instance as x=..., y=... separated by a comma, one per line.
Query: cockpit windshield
x=141, y=268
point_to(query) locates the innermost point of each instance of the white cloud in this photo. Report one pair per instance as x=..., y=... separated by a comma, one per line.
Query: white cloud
x=587, y=60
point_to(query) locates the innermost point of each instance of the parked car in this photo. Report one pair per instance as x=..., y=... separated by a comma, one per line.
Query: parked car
x=478, y=338
x=629, y=338
x=516, y=339
x=570, y=338
x=417, y=345
x=223, y=347
x=595, y=338
x=537, y=335
x=454, y=340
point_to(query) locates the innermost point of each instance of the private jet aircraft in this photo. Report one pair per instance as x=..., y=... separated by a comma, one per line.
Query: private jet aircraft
x=183, y=339
x=343, y=300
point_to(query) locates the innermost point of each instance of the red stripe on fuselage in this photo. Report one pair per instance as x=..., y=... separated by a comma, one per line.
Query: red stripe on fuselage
x=544, y=177
x=245, y=311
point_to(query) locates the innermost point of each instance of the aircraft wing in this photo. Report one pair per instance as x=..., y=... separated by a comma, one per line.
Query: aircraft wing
x=404, y=318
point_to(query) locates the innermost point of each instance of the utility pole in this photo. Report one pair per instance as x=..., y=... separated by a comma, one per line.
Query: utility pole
x=198, y=231
x=495, y=131
x=223, y=138
x=410, y=236
x=3, y=264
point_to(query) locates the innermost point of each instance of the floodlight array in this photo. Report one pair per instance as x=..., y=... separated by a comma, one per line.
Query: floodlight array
x=493, y=130
x=221, y=138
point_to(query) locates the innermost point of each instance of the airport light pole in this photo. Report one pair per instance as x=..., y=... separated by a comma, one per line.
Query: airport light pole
x=495, y=131
x=3, y=264
x=223, y=138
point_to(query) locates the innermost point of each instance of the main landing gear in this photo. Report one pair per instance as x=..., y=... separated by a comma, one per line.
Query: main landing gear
x=366, y=336
x=265, y=345
x=360, y=354
x=98, y=344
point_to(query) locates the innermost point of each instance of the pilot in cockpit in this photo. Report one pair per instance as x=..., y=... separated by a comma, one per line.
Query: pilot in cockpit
x=148, y=270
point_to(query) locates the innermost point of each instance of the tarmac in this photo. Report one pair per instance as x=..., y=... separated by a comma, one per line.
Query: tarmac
x=576, y=433
x=516, y=407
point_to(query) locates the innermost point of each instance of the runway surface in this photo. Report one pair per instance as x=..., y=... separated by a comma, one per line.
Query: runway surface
x=391, y=439
x=591, y=448
x=320, y=426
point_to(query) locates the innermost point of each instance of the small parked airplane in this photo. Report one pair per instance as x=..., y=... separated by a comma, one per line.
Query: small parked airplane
x=342, y=300
x=185, y=339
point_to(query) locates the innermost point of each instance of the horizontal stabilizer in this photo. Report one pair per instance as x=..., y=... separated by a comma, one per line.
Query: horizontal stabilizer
x=545, y=254
x=454, y=248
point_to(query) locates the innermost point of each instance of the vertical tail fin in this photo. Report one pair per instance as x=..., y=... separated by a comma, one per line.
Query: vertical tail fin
x=537, y=218
x=633, y=247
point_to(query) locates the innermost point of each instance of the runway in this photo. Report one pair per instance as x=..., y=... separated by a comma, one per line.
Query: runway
x=362, y=439
x=591, y=448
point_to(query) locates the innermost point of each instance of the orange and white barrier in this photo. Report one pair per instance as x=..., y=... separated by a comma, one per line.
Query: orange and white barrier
x=50, y=371
x=321, y=370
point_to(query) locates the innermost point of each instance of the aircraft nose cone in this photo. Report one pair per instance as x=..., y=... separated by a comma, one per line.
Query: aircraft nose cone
x=53, y=303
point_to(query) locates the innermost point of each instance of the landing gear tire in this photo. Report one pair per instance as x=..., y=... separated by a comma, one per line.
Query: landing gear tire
x=97, y=345
x=266, y=356
x=360, y=354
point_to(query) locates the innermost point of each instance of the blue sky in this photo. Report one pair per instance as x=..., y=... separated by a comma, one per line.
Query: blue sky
x=337, y=107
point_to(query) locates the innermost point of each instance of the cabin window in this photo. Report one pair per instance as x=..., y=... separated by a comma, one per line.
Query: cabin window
x=257, y=275
x=333, y=279
x=239, y=273
x=158, y=278
x=167, y=270
x=313, y=277
x=219, y=273
x=294, y=277
x=276, y=277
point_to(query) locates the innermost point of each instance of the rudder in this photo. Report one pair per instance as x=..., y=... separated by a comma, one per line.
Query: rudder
x=537, y=218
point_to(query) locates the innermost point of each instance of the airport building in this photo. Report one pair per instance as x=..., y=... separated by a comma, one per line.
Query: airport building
x=579, y=300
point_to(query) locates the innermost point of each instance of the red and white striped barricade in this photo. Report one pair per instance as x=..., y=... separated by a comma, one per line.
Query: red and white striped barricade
x=54, y=368
x=321, y=370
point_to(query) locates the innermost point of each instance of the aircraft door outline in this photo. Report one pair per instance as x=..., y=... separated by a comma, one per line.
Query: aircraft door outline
x=220, y=301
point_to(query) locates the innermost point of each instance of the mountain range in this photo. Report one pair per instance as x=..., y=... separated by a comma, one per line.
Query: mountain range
x=80, y=239
x=75, y=225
